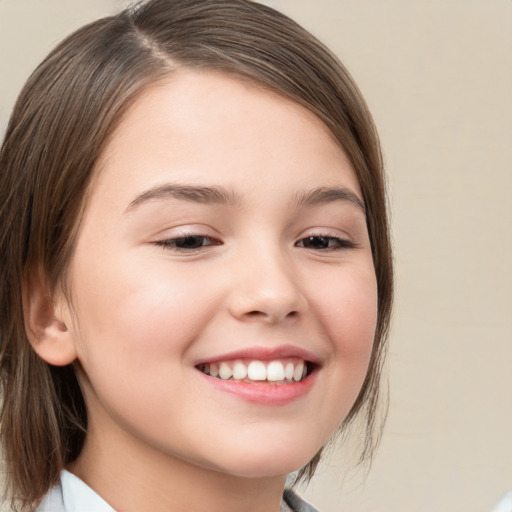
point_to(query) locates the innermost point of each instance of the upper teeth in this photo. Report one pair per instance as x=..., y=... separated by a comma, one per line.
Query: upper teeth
x=255, y=370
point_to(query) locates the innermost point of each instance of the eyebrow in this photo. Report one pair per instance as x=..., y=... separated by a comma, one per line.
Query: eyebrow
x=192, y=193
x=218, y=195
x=325, y=195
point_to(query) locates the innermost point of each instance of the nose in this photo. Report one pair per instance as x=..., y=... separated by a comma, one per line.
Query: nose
x=267, y=289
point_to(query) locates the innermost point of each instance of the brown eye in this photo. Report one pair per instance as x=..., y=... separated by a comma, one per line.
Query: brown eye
x=188, y=243
x=322, y=243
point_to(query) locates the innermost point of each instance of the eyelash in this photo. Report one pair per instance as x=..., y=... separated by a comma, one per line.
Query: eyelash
x=333, y=243
x=172, y=243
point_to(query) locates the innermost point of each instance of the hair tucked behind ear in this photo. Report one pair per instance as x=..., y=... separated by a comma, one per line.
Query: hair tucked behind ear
x=61, y=121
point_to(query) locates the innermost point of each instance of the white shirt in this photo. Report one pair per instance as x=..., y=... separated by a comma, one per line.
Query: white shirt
x=505, y=505
x=74, y=495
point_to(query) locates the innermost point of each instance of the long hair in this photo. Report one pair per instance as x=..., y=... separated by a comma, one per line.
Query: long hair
x=61, y=121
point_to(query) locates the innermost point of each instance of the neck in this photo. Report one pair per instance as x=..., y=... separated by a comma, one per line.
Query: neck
x=138, y=478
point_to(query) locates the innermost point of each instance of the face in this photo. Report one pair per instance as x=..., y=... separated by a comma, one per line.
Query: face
x=224, y=295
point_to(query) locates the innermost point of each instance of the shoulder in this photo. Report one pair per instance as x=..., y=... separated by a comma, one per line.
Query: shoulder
x=293, y=503
x=78, y=495
x=72, y=495
x=505, y=505
x=53, y=501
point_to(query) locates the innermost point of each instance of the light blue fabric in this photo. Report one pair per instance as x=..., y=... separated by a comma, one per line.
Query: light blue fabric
x=73, y=495
x=505, y=505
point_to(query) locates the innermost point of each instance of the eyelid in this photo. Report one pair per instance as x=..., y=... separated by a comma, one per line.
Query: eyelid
x=327, y=232
x=340, y=243
x=184, y=230
x=172, y=243
x=168, y=238
x=344, y=240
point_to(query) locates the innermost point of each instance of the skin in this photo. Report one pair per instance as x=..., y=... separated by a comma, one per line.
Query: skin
x=143, y=314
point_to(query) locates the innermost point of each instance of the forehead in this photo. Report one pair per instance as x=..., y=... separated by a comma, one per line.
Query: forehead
x=208, y=127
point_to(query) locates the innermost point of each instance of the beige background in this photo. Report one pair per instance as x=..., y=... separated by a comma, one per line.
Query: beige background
x=438, y=77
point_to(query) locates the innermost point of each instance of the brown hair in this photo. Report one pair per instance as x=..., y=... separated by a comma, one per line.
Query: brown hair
x=60, y=124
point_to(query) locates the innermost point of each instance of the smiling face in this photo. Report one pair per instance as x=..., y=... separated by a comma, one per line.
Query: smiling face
x=225, y=234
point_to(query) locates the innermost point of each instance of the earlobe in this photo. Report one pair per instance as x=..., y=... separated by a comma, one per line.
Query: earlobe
x=46, y=321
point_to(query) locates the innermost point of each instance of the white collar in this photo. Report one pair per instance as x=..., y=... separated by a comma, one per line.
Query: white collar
x=505, y=505
x=73, y=495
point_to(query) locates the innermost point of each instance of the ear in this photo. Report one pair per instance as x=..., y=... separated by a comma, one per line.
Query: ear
x=46, y=321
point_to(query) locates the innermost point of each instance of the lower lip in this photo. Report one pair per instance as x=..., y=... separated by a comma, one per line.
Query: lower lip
x=264, y=394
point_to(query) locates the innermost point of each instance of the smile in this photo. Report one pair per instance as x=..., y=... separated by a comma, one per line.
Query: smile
x=279, y=371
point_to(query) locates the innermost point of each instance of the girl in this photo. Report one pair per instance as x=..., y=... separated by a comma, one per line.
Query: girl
x=196, y=268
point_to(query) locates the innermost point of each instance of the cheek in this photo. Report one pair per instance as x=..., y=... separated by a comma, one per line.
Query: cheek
x=135, y=323
x=128, y=307
x=349, y=312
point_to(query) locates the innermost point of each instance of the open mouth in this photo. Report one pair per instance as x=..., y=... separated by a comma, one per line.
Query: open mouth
x=279, y=371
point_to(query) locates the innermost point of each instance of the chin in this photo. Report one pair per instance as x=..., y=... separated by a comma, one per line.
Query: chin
x=266, y=463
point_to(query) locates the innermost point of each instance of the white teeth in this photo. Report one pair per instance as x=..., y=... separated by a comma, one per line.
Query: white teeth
x=275, y=371
x=225, y=372
x=214, y=370
x=272, y=371
x=288, y=372
x=257, y=371
x=239, y=370
x=297, y=374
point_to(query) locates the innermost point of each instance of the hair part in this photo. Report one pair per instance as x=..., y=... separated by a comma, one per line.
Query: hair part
x=63, y=117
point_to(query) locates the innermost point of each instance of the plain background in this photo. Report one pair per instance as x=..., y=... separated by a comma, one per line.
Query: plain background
x=437, y=75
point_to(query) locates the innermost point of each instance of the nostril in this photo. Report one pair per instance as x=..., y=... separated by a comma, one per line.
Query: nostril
x=261, y=314
x=255, y=313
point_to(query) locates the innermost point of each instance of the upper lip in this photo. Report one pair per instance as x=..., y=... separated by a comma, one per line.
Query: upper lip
x=264, y=354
